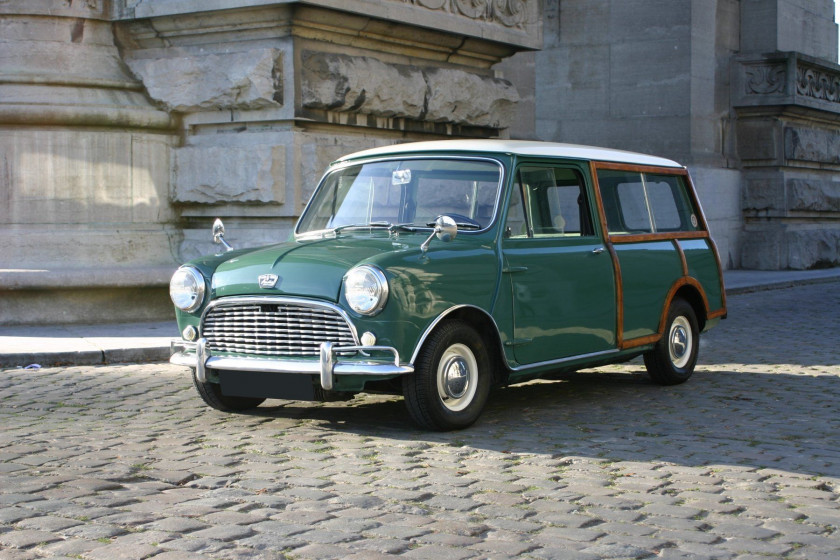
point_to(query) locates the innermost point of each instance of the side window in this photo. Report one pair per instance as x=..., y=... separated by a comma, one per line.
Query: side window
x=554, y=201
x=670, y=204
x=515, y=226
x=638, y=203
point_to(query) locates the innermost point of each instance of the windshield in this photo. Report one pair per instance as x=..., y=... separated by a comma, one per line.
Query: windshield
x=405, y=193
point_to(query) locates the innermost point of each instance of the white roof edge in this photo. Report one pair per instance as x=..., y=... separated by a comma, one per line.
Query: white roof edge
x=518, y=147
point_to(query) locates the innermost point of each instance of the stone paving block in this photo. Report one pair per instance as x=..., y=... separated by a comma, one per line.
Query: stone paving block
x=121, y=552
x=26, y=538
x=740, y=461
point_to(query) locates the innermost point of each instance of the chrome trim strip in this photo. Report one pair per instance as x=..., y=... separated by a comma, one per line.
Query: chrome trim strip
x=440, y=318
x=565, y=360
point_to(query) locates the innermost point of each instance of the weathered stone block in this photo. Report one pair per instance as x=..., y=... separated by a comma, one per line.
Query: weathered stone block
x=461, y=97
x=217, y=174
x=365, y=85
x=812, y=144
x=241, y=80
x=813, y=195
x=764, y=194
x=345, y=83
x=813, y=248
x=759, y=139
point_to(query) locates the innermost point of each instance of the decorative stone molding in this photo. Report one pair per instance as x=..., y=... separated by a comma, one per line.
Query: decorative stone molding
x=763, y=79
x=241, y=80
x=785, y=79
x=510, y=13
x=819, y=83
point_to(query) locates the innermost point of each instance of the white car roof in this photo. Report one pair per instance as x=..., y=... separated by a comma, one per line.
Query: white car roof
x=518, y=147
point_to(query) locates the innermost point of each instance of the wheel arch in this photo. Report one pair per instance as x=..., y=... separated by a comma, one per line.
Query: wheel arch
x=691, y=291
x=480, y=320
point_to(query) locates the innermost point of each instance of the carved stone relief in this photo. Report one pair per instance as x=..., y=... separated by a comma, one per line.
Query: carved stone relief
x=765, y=79
x=818, y=83
x=343, y=83
x=510, y=13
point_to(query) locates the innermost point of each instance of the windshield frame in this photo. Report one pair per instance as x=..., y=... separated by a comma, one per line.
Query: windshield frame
x=500, y=191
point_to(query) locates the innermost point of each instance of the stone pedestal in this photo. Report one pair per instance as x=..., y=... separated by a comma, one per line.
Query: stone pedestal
x=788, y=129
x=84, y=198
x=128, y=126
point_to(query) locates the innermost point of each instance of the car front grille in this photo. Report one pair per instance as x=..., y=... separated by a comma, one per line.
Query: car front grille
x=274, y=329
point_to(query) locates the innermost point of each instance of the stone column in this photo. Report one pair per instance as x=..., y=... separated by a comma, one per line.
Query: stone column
x=786, y=96
x=85, y=218
x=132, y=124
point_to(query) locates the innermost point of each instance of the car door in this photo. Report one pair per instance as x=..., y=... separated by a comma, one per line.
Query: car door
x=560, y=275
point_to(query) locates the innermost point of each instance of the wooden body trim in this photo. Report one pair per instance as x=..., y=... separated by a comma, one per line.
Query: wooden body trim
x=674, y=237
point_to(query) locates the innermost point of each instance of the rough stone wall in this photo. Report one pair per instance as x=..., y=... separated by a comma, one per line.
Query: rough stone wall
x=128, y=126
x=84, y=205
x=648, y=76
x=785, y=97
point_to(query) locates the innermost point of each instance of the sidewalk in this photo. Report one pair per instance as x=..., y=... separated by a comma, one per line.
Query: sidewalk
x=149, y=342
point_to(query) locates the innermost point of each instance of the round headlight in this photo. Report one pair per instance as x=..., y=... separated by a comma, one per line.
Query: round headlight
x=366, y=290
x=187, y=289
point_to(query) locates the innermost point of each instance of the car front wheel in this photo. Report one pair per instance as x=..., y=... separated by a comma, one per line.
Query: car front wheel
x=451, y=379
x=673, y=358
x=212, y=395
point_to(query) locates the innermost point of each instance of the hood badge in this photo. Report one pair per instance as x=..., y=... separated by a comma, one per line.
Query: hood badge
x=268, y=281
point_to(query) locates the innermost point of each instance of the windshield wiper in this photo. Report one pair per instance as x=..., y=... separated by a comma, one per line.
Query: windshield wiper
x=382, y=224
x=462, y=225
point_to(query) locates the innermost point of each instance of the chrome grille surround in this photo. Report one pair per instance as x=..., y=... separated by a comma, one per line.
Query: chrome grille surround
x=274, y=326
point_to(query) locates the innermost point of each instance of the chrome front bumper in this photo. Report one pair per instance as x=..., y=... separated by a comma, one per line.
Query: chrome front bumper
x=196, y=355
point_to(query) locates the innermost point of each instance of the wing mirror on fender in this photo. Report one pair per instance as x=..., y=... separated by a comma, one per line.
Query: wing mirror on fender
x=445, y=229
x=219, y=235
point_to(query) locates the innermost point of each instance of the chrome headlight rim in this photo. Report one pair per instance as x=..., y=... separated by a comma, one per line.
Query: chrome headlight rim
x=198, y=296
x=381, y=282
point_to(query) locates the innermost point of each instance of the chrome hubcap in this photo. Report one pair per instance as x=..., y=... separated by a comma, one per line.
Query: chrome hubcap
x=680, y=342
x=455, y=384
x=457, y=377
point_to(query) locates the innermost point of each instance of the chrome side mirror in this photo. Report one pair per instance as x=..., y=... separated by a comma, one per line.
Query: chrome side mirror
x=219, y=235
x=445, y=229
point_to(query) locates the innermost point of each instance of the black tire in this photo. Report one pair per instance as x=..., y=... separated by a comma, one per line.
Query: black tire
x=454, y=351
x=211, y=393
x=672, y=360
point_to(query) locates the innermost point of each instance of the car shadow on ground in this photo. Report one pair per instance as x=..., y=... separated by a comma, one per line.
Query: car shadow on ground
x=756, y=419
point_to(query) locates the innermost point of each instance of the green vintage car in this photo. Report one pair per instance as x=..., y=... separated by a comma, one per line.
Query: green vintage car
x=438, y=270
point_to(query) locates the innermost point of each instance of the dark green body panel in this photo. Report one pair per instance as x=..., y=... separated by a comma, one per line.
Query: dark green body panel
x=648, y=271
x=703, y=267
x=563, y=296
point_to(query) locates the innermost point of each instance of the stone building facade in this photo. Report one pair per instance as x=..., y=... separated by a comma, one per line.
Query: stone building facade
x=128, y=125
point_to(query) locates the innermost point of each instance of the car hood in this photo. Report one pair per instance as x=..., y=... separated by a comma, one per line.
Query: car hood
x=312, y=268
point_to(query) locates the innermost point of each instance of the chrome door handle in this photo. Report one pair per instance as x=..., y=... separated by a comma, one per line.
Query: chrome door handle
x=598, y=251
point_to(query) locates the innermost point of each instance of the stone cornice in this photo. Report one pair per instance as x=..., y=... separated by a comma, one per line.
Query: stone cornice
x=785, y=79
x=510, y=22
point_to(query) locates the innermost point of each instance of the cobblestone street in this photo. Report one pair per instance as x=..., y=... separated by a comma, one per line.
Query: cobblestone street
x=743, y=461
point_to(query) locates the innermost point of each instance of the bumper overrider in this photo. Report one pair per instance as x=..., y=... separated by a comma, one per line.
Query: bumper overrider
x=332, y=362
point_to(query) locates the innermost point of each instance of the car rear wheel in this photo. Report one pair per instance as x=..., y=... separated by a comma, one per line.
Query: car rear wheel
x=673, y=358
x=211, y=393
x=451, y=379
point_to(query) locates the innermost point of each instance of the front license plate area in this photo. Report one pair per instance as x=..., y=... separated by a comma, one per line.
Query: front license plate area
x=259, y=384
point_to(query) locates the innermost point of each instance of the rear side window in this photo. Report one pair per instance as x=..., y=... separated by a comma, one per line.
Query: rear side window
x=639, y=203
